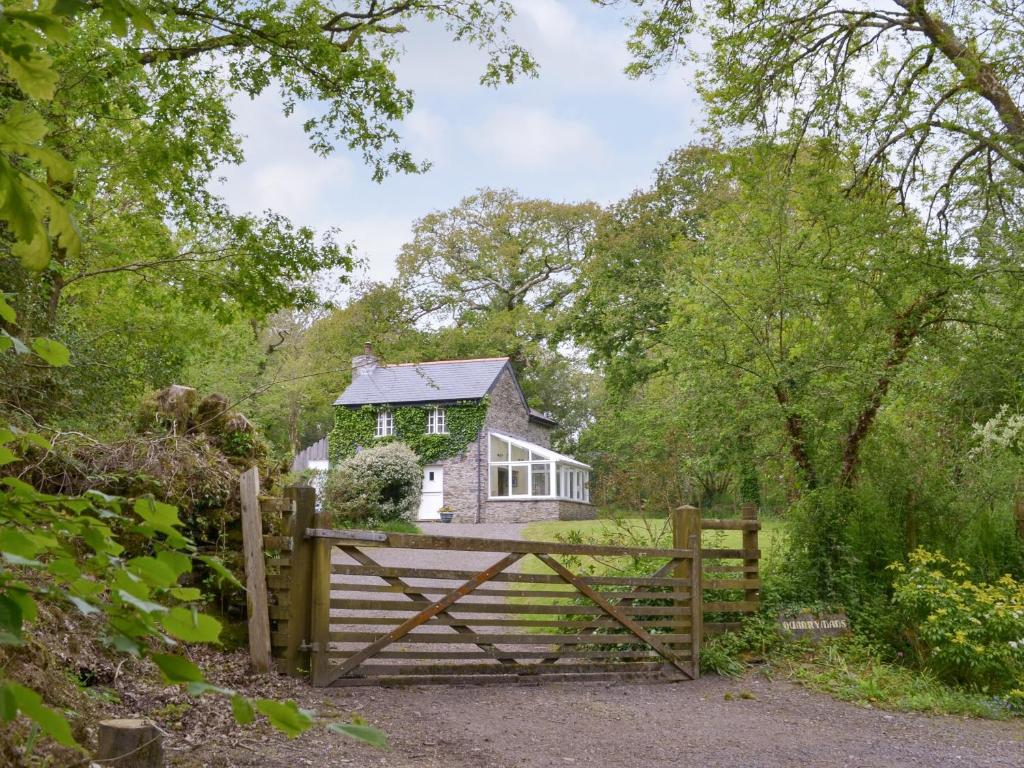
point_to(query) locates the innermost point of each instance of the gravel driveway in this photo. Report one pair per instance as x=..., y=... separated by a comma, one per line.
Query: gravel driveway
x=623, y=725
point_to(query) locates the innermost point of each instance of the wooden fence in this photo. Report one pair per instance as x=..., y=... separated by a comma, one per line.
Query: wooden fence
x=370, y=608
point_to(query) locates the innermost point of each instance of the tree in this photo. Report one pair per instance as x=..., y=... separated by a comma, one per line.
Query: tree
x=929, y=91
x=494, y=276
x=800, y=312
x=495, y=252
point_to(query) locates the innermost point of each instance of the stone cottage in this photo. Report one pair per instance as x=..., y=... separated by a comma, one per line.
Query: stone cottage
x=486, y=454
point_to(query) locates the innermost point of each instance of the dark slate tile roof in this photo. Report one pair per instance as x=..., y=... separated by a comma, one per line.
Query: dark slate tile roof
x=445, y=380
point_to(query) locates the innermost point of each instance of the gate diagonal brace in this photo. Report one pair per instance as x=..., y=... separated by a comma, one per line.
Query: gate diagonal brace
x=428, y=613
x=614, y=612
x=590, y=629
x=463, y=629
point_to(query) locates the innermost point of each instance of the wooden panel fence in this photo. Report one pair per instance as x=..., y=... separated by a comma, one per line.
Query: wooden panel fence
x=369, y=608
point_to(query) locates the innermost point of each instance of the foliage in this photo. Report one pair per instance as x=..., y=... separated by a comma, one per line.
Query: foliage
x=731, y=653
x=68, y=550
x=495, y=252
x=966, y=632
x=495, y=275
x=354, y=428
x=376, y=485
x=928, y=92
x=855, y=670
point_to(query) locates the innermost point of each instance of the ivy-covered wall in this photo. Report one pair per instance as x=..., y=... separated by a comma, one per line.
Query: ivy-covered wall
x=356, y=426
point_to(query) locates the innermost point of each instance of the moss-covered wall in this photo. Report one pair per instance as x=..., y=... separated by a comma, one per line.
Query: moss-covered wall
x=356, y=426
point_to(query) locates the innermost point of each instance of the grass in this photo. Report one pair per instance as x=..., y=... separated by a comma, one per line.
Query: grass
x=389, y=526
x=770, y=541
x=627, y=532
x=850, y=671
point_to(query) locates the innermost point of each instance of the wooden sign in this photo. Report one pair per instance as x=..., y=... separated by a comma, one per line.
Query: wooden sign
x=814, y=626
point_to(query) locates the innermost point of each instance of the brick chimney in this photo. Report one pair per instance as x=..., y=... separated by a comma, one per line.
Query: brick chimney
x=366, y=363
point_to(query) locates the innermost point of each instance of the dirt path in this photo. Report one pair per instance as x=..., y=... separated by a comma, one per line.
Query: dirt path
x=589, y=724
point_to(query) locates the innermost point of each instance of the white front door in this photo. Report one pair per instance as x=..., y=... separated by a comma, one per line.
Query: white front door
x=433, y=493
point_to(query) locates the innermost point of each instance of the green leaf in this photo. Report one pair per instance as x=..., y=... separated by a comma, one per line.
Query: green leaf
x=16, y=542
x=285, y=716
x=8, y=706
x=10, y=621
x=145, y=606
x=7, y=456
x=53, y=352
x=201, y=688
x=51, y=722
x=18, y=344
x=190, y=626
x=7, y=312
x=187, y=594
x=152, y=571
x=82, y=605
x=177, y=562
x=175, y=669
x=364, y=733
x=242, y=709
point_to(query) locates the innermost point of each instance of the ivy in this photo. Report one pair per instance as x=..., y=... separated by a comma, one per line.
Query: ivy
x=355, y=428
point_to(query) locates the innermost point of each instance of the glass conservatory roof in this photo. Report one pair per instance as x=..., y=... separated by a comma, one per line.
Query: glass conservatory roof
x=540, y=453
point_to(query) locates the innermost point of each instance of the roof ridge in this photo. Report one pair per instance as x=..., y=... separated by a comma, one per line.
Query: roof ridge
x=447, y=362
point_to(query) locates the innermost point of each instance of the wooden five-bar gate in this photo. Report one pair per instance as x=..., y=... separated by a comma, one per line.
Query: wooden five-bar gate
x=370, y=608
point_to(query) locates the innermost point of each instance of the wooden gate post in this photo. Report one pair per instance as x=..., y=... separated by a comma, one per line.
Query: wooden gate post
x=751, y=566
x=296, y=653
x=685, y=523
x=320, y=605
x=697, y=610
x=686, y=531
x=255, y=572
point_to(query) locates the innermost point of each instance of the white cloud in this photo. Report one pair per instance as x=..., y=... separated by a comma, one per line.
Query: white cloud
x=531, y=137
x=427, y=133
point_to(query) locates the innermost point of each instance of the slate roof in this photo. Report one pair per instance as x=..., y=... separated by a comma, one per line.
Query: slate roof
x=442, y=381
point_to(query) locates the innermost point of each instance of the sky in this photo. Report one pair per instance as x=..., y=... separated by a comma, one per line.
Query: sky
x=581, y=130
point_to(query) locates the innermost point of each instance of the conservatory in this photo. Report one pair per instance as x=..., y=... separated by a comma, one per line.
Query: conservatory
x=521, y=470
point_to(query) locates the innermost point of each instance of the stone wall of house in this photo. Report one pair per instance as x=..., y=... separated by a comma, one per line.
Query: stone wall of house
x=465, y=476
x=461, y=491
x=508, y=414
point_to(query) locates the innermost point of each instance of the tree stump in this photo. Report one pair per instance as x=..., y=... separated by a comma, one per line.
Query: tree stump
x=130, y=744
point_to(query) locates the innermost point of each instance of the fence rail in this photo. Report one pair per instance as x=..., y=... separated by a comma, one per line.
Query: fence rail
x=341, y=610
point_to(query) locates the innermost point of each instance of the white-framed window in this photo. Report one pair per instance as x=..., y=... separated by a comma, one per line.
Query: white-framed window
x=385, y=424
x=518, y=469
x=436, y=424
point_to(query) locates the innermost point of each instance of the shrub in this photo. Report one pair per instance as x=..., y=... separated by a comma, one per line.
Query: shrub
x=967, y=633
x=375, y=486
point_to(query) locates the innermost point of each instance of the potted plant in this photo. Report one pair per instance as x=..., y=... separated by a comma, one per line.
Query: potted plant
x=447, y=513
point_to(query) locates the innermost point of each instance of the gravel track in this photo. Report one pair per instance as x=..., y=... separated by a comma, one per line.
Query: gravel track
x=711, y=723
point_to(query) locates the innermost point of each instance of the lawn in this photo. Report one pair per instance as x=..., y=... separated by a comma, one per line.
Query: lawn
x=770, y=540
x=628, y=532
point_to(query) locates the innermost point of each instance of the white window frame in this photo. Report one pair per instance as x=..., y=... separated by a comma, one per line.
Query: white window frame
x=385, y=424
x=437, y=421
x=561, y=470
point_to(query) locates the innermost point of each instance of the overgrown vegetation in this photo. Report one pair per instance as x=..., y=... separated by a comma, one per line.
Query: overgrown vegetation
x=818, y=309
x=354, y=429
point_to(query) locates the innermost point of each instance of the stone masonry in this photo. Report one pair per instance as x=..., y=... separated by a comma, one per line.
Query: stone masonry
x=465, y=476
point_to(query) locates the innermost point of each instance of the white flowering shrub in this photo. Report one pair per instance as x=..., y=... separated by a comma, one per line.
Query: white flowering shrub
x=1004, y=431
x=376, y=485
